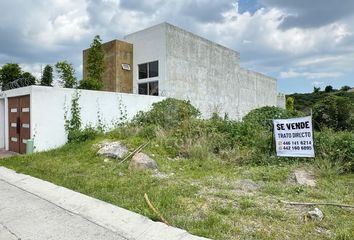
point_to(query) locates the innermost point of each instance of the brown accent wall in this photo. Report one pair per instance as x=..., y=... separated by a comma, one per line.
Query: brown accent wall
x=115, y=78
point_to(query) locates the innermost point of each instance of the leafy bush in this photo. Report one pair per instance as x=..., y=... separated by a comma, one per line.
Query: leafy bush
x=77, y=135
x=90, y=84
x=336, y=147
x=263, y=116
x=345, y=88
x=174, y=127
x=334, y=112
x=305, y=101
x=168, y=113
x=290, y=104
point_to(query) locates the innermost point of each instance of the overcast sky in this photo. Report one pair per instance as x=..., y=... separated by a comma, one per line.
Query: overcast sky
x=302, y=43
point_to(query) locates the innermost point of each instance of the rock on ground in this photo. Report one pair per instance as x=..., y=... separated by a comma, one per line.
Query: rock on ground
x=113, y=150
x=305, y=178
x=141, y=161
x=162, y=175
x=247, y=184
x=315, y=214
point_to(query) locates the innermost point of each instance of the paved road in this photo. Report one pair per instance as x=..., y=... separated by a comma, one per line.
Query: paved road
x=33, y=209
x=26, y=216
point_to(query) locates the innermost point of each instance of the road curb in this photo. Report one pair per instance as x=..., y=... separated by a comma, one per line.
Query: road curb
x=124, y=222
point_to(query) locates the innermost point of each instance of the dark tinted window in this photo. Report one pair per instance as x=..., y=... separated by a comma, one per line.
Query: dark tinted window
x=154, y=88
x=143, y=71
x=153, y=69
x=143, y=88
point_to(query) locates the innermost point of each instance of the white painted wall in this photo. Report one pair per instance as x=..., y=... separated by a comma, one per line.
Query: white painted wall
x=149, y=45
x=2, y=123
x=48, y=106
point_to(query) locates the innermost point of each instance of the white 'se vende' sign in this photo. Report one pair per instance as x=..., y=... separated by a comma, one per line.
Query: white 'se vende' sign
x=294, y=137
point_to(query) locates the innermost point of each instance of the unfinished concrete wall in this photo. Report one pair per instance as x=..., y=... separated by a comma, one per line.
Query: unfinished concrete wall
x=201, y=71
x=204, y=72
x=256, y=90
x=115, y=78
x=124, y=77
x=209, y=75
x=281, y=100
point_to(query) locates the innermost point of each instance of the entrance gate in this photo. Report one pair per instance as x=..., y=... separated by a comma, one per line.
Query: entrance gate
x=19, y=123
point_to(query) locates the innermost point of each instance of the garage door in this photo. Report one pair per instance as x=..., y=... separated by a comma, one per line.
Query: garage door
x=19, y=123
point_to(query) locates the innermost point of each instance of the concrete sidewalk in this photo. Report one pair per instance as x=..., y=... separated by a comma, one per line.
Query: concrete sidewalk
x=34, y=209
x=4, y=153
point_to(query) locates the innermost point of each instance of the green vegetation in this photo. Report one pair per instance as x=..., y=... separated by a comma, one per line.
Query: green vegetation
x=331, y=109
x=204, y=162
x=334, y=112
x=289, y=104
x=167, y=114
x=11, y=72
x=328, y=88
x=66, y=73
x=47, y=77
x=95, y=66
x=305, y=101
x=73, y=126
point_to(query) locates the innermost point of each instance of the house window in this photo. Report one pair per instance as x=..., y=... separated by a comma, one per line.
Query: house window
x=149, y=88
x=143, y=88
x=154, y=88
x=143, y=70
x=148, y=70
x=154, y=69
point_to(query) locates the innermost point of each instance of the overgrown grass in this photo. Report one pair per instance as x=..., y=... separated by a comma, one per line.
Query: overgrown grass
x=205, y=161
x=203, y=195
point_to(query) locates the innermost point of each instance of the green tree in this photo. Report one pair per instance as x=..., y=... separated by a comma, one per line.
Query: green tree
x=329, y=88
x=334, y=112
x=290, y=104
x=66, y=73
x=47, y=77
x=89, y=84
x=345, y=88
x=316, y=89
x=8, y=73
x=95, y=63
x=28, y=79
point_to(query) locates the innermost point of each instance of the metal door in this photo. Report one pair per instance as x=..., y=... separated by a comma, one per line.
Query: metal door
x=19, y=123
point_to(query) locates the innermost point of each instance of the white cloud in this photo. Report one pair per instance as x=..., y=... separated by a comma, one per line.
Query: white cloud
x=48, y=31
x=309, y=75
x=317, y=83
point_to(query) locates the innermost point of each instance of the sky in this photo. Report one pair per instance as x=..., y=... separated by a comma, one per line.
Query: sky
x=304, y=44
